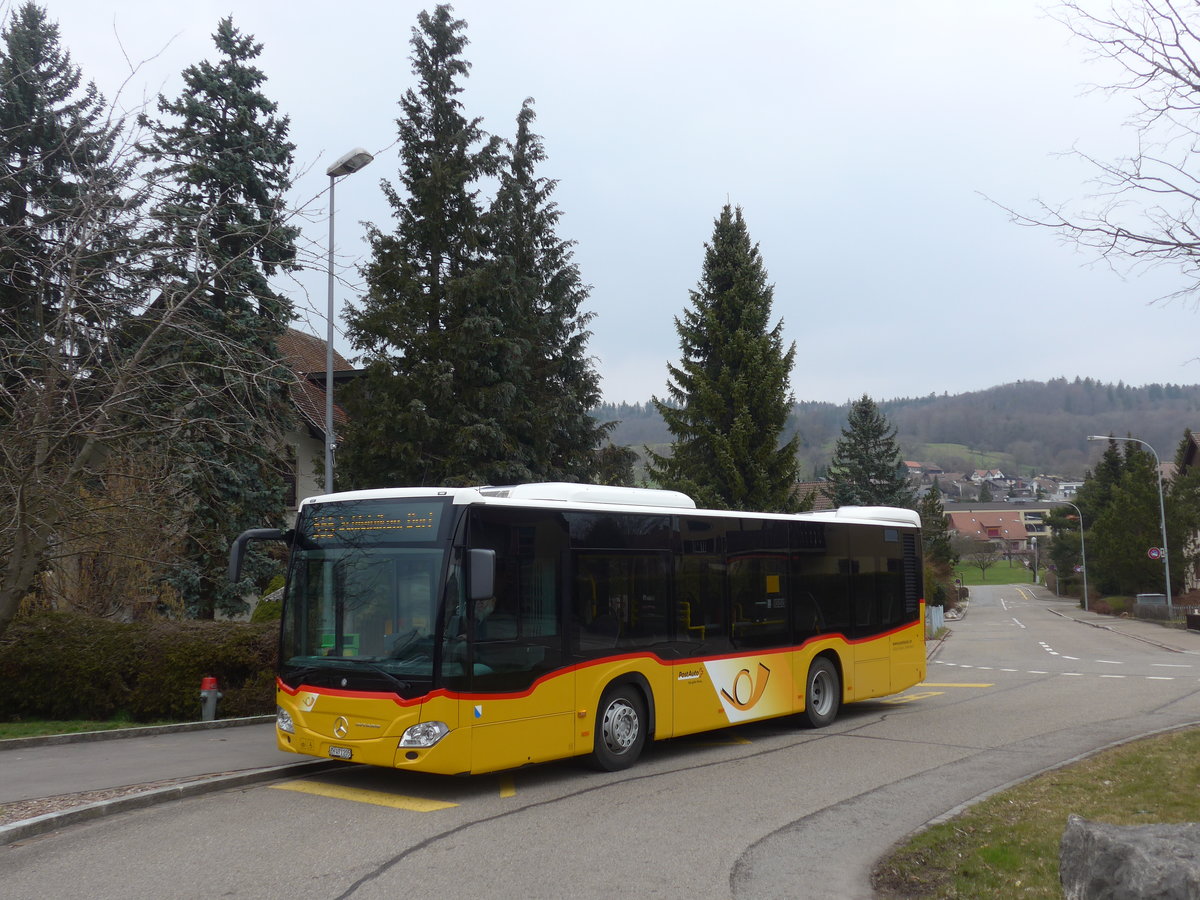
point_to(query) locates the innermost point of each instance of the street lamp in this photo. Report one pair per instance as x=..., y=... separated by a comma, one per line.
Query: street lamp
x=1082, y=548
x=346, y=165
x=1162, y=510
x=1033, y=540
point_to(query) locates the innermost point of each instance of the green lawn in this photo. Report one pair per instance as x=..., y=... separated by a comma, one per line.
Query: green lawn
x=1002, y=572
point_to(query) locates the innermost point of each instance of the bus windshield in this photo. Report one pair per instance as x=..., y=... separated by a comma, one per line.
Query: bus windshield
x=362, y=598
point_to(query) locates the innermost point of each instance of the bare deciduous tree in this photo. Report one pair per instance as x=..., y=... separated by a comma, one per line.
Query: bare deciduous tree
x=1145, y=206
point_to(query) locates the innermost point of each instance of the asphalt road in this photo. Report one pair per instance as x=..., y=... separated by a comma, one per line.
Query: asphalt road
x=759, y=811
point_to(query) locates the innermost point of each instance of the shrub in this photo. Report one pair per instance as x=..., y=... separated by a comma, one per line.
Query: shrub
x=58, y=665
x=267, y=611
x=1110, y=606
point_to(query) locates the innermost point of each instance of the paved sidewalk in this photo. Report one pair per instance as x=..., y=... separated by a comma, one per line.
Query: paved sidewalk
x=1174, y=639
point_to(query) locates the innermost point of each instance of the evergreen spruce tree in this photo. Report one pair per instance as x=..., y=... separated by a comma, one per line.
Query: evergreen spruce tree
x=1123, y=530
x=221, y=233
x=985, y=493
x=867, y=467
x=1095, y=493
x=935, y=533
x=728, y=399
x=60, y=187
x=544, y=356
x=440, y=360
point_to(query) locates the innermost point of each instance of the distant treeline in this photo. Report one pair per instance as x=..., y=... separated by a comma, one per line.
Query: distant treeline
x=1028, y=426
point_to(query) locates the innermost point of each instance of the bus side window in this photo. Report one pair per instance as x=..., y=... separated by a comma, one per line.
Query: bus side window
x=621, y=599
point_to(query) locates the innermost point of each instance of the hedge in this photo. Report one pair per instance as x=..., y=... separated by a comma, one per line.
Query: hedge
x=57, y=665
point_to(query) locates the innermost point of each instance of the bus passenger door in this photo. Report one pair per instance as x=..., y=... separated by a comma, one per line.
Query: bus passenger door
x=520, y=703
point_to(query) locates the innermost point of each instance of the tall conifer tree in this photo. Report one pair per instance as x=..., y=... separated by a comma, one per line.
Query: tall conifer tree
x=59, y=187
x=1125, y=527
x=438, y=390
x=537, y=283
x=728, y=399
x=867, y=467
x=221, y=234
x=935, y=533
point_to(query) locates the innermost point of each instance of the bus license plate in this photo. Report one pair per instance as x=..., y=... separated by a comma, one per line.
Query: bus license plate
x=340, y=752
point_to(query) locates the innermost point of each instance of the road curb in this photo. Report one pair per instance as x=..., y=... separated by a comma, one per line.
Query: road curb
x=1111, y=630
x=113, y=734
x=38, y=825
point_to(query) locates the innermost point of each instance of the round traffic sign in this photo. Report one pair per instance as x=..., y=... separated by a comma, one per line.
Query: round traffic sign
x=1155, y=553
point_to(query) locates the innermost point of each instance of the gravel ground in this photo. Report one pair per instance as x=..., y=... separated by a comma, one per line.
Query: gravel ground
x=30, y=809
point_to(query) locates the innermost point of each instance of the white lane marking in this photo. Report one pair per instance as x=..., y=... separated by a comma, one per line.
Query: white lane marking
x=1170, y=665
x=1020, y=624
x=1076, y=658
x=1112, y=676
x=1160, y=678
x=1009, y=670
x=1076, y=674
x=1036, y=672
x=1110, y=662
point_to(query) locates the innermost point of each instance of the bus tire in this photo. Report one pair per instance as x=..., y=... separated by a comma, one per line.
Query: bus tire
x=822, y=694
x=620, y=728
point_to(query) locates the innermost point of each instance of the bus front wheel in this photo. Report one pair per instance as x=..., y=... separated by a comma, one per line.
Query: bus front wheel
x=822, y=694
x=620, y=729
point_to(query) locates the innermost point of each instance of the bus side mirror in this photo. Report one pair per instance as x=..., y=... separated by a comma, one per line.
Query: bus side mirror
x=238, y=549
x=482, y=574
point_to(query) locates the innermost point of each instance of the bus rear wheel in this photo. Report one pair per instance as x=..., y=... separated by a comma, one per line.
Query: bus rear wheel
x=620, y=729
x=822, y=694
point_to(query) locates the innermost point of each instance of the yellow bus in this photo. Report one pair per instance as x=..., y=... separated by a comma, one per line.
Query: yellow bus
x=467, y=630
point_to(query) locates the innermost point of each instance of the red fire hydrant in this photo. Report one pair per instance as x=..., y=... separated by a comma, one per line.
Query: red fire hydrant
x=209, y=695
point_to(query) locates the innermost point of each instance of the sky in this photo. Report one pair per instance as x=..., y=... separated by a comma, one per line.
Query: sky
x=873, y=146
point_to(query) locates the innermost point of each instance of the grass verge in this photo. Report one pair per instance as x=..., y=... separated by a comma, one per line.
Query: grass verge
x=1007, y=845
x=38, y=728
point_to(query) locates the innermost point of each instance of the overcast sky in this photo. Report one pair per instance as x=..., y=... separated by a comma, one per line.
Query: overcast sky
x=862, y=139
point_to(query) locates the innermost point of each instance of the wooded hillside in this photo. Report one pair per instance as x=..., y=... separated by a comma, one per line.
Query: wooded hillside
x=1029, y=427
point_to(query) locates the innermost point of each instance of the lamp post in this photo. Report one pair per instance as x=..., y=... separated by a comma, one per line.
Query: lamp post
x=1082, y=549
x=1033, y=540
x=346, y=165
x=1162, y=509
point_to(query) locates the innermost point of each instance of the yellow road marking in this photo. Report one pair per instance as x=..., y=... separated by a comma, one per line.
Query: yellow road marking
x=360, y=795
x=909, y=698
x=508, y=787
x=952, y=684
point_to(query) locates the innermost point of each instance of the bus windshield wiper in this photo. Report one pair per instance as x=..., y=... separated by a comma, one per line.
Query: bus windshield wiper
x=299, y=673
x=400, y=685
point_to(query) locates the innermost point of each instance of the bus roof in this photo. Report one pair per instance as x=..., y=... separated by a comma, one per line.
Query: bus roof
x=615, y=499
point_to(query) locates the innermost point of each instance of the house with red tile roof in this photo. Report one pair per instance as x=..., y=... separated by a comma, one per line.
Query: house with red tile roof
x=305, y=355
x=997, y=522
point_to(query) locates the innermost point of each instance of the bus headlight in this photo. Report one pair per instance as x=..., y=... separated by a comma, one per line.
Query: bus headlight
x=426, y=734
x=283, y=720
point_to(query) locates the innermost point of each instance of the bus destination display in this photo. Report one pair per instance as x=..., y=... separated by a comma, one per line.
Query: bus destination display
x=376, y=520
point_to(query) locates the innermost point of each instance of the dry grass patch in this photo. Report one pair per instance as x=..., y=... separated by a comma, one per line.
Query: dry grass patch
x=1008, y=844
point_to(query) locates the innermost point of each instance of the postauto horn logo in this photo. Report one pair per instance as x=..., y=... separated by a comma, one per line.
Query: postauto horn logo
x=748, y=690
